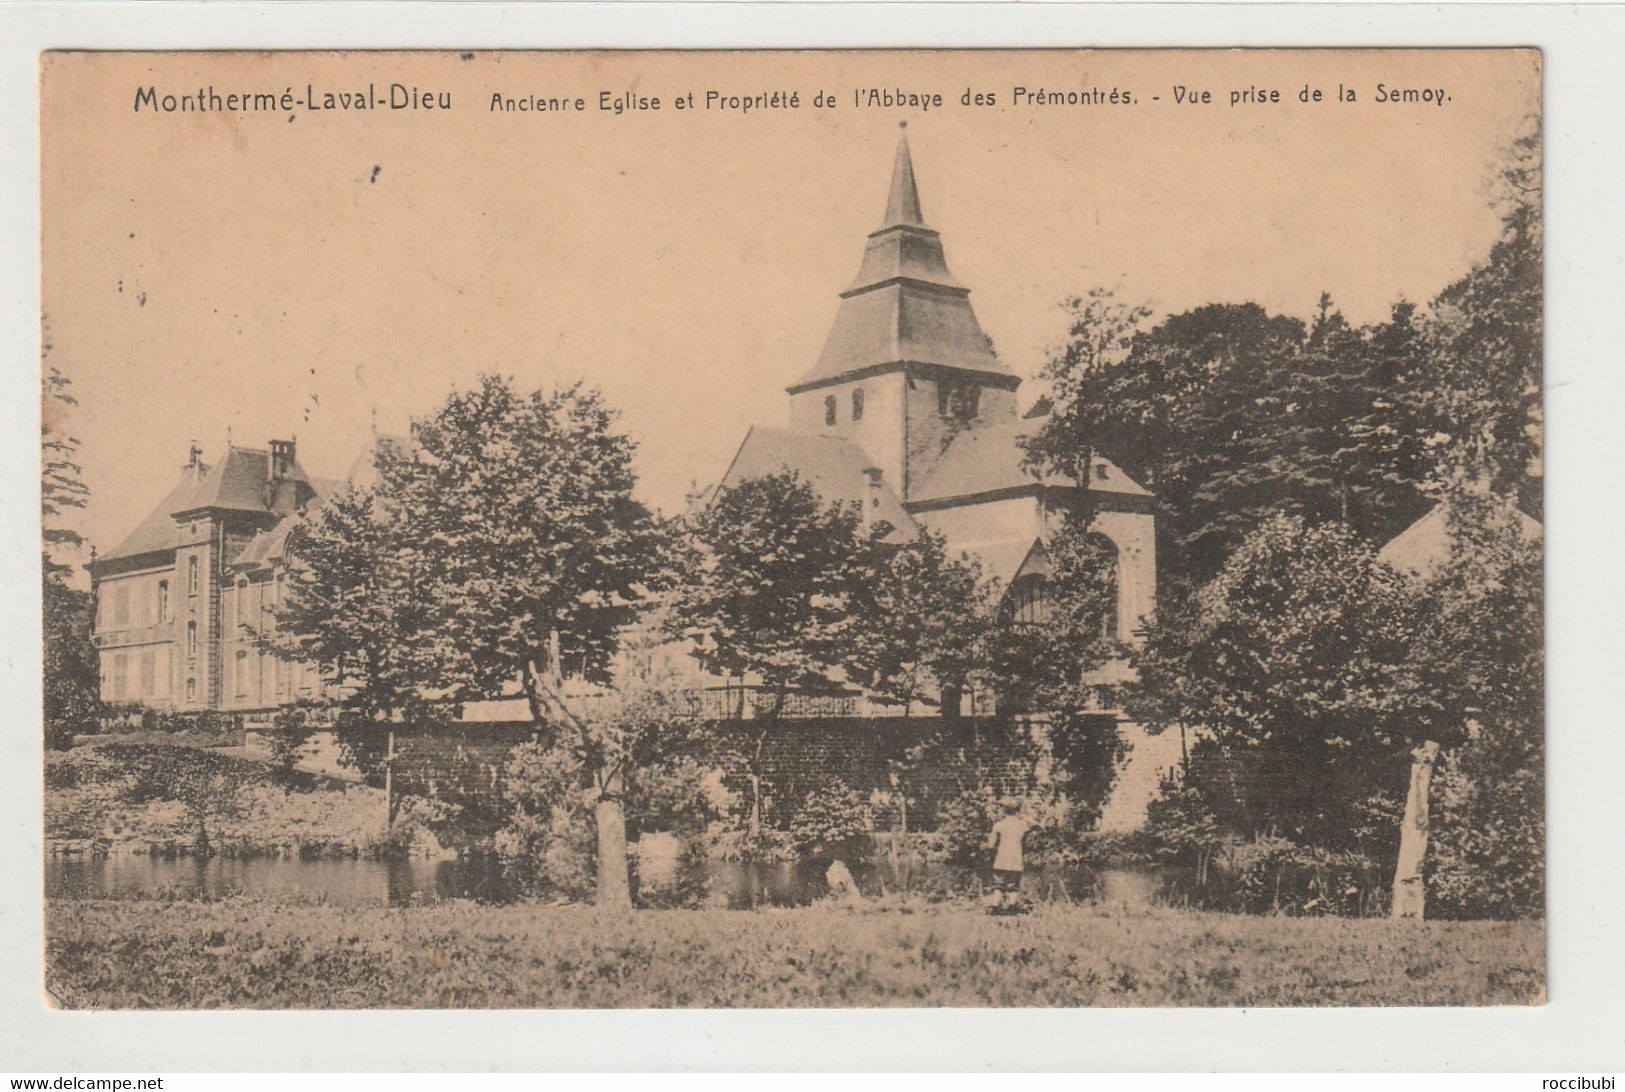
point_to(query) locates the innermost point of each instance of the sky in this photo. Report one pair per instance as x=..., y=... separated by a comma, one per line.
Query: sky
x=320, y=274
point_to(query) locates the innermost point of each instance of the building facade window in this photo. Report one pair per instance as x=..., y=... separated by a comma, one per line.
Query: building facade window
x=120, y=667
x=163, y=600
x=191, y=575
x=857, y=404
x=240, y=602
x=1028, y=605
x=829, y=409
x=240, y=673
x=1109, y=601
x=191, y=638
x=191, y=690
x=149, y=673
x=121, y=605
x=961, y=400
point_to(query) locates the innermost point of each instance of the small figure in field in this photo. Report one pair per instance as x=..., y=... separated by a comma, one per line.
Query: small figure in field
x=1005, y=842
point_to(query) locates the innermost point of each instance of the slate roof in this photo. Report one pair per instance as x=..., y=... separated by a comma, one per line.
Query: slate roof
x=271, y=546
x=987, y=458
x=834, y=468
x=158, y=531
x=905, y=307
x=237, y=483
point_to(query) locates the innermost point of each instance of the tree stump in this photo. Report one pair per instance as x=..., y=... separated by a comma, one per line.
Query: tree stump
x=1409, y=895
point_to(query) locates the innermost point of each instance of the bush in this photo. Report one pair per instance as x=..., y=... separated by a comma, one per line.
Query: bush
x=1277, y=876
x=548, y=846
x=680, y=795
x=1487, y=856
x=833, y=822
x=963, y=824
x=414, y=831
x=1181, y=823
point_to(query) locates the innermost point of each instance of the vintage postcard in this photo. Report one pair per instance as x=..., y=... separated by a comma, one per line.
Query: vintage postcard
x=780, y=529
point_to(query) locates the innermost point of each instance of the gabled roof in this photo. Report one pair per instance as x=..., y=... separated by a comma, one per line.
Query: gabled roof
x=905, y=306
x=834, y=468
x=267, y=546
x=271, y=546
x=987, y=458
x=1008, y=559
x=1424, y=547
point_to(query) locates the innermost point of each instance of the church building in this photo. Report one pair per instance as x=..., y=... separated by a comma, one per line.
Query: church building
x=909, y=411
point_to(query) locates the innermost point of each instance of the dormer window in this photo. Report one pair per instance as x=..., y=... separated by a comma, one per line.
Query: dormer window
x=857, y=404
x=829, y=409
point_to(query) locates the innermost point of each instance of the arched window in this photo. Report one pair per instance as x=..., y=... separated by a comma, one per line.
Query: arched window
x=829, y=409
x=191, y=575
x=857, y=404
x=1107, y=551
x=191, y=638
x=240, y=674
x=191, y=689
x=242, y=600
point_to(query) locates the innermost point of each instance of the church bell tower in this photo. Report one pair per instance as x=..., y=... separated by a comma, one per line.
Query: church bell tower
x=906, y=366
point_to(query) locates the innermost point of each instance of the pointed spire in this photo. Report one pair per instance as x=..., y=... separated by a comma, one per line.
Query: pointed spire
x=903, y=203
x=904, y=308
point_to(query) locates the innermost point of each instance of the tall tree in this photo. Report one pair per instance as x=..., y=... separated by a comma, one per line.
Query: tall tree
x=1296, y=662
x=62, y=487
x=516, y=512
x=1335, y=436
x=1482, y=651
x=1229, y=414
x=921, y=616
x=767, y=592
x=1179, y=407
x=1484, y=379
x=70, y=679
x=502, y=545
x=357, y=608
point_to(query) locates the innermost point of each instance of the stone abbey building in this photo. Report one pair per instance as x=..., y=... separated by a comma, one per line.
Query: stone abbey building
x=907, y=409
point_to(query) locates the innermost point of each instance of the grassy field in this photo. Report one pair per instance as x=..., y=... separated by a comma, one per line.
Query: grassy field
x=251, y=954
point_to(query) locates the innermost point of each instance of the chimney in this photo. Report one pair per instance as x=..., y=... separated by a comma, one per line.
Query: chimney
x=280, y=465
x=194, y=457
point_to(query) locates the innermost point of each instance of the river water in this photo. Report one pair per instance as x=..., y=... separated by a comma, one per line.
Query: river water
x=355, y=882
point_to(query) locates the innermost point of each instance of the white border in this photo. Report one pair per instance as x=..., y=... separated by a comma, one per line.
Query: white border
x=1583, y=1028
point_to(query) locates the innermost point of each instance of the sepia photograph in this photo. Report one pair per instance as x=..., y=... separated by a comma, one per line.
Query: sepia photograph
x=786, y=529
